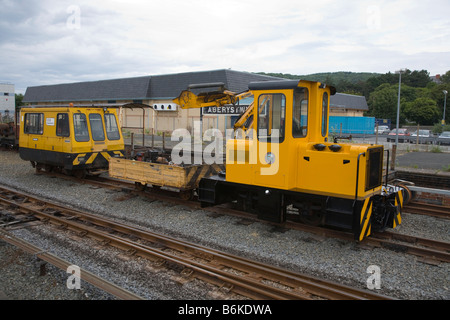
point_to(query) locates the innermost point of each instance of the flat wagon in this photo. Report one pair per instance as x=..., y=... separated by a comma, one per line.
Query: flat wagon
x=184, y=178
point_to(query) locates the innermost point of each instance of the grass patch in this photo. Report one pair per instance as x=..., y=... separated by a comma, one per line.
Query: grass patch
x=436, y=149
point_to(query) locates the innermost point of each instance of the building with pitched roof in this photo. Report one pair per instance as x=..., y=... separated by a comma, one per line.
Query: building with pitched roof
x=348, y=105
x=154, y=91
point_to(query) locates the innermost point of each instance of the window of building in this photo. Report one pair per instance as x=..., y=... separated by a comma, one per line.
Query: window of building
x=300, y=113
x=34, y=123
x=98, y=133
x=271, y=117
x=62, y=125
x=112, y=130
x=80, y=127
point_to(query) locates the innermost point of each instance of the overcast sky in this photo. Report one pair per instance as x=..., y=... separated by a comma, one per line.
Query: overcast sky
x=50, y=42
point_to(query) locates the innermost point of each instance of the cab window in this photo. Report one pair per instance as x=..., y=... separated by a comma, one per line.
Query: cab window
x=98, y=133
x=80, y=127
x=324, y=114
x=62, y=125
x=34, y=123
x=271, y=117
x=300, y=113
x=112, y=130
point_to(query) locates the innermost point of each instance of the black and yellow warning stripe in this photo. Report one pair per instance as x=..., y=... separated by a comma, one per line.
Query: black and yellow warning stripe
x=89, y=158
x=365, y=225
x=393, y=214
x=399, y=205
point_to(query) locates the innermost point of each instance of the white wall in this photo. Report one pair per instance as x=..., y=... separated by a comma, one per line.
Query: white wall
x=7, y=97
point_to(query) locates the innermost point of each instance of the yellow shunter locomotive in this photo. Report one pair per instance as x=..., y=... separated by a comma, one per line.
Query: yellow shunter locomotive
x=286, y=160
x=76, y=140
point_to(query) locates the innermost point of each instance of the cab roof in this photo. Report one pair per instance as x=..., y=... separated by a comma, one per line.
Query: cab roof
x=283, y=84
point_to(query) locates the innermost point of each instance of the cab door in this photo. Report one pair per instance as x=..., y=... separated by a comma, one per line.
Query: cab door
x=97, y=132
x=271, y=169
x=33, y=129
x=63, y=142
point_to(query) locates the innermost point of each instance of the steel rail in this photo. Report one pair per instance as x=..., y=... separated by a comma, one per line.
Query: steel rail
x=427, y=248
x=428, y=209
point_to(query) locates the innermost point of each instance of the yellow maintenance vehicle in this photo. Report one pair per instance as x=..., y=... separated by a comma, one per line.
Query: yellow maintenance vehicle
x=77, y=140
x=285, y=160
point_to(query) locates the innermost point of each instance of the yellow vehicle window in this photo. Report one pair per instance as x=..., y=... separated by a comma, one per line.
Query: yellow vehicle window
x=98, y=134
x=34, y=123
x=80, y=127
x=300, y=113
x=62, y=125
x=112, y=130
x=324, y=114
x=271, y=117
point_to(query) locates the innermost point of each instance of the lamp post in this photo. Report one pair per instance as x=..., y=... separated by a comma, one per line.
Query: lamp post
x=445, y=102
x=398, y=103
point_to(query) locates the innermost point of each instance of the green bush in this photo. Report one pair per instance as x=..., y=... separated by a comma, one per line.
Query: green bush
x=438, y=128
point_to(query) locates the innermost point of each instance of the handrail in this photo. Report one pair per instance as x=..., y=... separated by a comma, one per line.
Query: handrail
x=387, y=168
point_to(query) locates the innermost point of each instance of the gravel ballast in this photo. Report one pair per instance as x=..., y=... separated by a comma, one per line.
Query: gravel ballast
x=402, y=276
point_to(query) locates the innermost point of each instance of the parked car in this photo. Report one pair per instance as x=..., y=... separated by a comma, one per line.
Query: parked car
x=403, y=135
x=444, y=138
x=425, y=136
x=382, y=130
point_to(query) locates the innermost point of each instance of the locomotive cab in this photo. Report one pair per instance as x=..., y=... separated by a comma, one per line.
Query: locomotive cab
x=74, y=139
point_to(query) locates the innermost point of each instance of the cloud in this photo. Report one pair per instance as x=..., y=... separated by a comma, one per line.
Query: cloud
x=46, y=42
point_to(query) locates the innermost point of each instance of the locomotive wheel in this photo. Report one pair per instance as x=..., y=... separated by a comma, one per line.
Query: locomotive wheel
x=38, y=167
x=79, y=173
x=187, y=194
x=140, y=186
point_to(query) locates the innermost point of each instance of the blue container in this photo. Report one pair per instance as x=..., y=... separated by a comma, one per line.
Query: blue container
x=351, y=125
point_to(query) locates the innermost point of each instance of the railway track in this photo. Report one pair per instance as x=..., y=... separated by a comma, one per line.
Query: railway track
x=427, y=249
x=85, y=275
x=428, y=209
x=231, y=273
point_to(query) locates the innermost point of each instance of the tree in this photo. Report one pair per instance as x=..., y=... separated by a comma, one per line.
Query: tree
x=19, y=98
x=416, y=78
x=445, y=78
x=383, y=102
x=423, y=111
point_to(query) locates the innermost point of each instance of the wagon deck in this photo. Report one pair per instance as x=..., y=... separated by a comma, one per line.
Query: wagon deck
x=161, y=175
